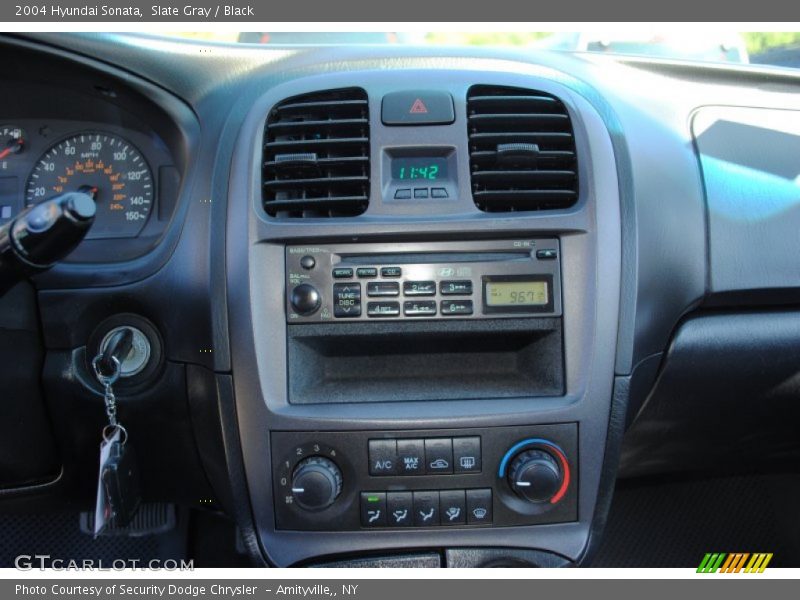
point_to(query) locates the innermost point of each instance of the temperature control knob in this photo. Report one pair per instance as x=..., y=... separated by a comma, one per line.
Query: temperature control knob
x=305, y=299
x=535, y=475
x=316, y=483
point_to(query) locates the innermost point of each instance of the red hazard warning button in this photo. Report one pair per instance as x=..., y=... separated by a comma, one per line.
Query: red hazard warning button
x=417, y=107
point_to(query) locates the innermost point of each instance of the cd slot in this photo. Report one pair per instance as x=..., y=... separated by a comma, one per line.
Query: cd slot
x=421, y=258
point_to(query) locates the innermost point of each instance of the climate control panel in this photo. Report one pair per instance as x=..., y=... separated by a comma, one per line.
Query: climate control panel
x=365, y=480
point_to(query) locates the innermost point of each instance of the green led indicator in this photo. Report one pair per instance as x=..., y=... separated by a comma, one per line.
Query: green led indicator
x=373, y=499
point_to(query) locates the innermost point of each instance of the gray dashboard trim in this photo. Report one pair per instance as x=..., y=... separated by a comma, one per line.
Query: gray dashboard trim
x=590, y=234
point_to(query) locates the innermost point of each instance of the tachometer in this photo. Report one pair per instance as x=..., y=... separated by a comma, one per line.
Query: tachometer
x=108, y=168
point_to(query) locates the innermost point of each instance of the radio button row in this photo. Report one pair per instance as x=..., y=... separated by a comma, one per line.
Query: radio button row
x=456, y=288
x=419, y=309
x=347, y=300
x=383, y=309
x=367, y=272
x=391, y=272
x=456, y=307
x=342, y=273
x=419, y=288
x=383, y=288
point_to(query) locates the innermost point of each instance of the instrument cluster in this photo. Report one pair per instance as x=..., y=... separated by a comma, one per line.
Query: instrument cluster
x=128, y=173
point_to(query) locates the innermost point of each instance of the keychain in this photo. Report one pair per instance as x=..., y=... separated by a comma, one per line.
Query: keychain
x=118, y=494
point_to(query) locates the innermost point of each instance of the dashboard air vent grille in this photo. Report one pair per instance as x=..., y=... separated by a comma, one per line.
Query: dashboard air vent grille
x=522, y=150
x=316, y=155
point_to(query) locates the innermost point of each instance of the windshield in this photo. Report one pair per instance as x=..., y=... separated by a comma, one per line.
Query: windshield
x=767, y=48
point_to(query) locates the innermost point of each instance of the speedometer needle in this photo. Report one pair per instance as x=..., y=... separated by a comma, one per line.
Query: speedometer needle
x=90, y=190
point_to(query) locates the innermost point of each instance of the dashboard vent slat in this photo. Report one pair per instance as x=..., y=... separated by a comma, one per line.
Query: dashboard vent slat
x=316, y=155
x=522, y=150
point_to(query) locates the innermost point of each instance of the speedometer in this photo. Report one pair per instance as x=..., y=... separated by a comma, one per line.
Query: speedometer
x=109, y=169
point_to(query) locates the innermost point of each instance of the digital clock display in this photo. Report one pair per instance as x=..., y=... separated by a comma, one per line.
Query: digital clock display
x=419, y=169
x=516, y=293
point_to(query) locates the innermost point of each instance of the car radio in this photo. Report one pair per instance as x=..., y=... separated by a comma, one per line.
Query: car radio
x=437, y=280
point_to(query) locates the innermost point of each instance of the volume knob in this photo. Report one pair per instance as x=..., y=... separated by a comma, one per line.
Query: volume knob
x=305, y=299
x=316, y=483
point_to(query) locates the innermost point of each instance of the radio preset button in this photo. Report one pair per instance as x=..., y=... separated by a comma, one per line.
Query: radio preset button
x=438, y=193
x=456, y=307
x=367, y=272
x=422, y=308
x=383, y=309
x=419, y=288
x=347, y=300
x=456, y=288
x=403, y=194
x=383, y=288
x=343, y=273
x=420, y=193
x=391, y=272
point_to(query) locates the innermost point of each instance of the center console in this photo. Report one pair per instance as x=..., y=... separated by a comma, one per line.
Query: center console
x=421, y=361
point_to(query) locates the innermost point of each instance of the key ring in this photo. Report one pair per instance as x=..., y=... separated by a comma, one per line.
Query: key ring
x=106, y=380
x=110, y=430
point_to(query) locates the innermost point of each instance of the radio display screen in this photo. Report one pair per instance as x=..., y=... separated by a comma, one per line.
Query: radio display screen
x=419, y=168
x=517, y=293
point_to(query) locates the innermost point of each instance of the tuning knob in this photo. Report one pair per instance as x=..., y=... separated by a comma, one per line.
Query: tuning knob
x=535, y=475
x=305, y=299
x=316, y=483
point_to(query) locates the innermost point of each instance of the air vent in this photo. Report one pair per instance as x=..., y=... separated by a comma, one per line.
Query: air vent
x=316, y=155
x=522, y=150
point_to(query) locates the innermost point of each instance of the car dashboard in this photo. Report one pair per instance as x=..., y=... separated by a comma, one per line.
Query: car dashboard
x=416, y=306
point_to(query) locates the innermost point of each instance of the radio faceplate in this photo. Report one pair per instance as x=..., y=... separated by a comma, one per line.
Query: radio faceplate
x=418, y=281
